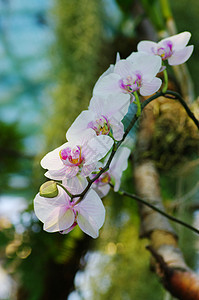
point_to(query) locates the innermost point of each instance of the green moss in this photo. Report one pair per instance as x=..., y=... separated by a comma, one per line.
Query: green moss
x=75, y=56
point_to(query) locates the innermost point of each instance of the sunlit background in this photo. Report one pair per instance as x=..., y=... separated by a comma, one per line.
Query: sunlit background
x=51, y=54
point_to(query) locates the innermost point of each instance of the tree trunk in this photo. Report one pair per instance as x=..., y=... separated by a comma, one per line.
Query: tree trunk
x=167, y=258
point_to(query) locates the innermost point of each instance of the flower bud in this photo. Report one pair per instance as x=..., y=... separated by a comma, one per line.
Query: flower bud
x=48, y=189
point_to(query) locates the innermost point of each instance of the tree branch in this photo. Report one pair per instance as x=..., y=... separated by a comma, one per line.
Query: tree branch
x=144, y=202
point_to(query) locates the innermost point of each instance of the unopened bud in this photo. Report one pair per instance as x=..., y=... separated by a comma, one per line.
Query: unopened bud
x=48, y=189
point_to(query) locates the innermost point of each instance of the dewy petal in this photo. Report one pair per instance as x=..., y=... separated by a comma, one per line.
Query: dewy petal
x=180, y=56
x=146, y=46
x=80, y=124
x=148, y=88
x=75, y=185
x=91, y=214
x=107, y=85
x=179, y=41
x=97, y=148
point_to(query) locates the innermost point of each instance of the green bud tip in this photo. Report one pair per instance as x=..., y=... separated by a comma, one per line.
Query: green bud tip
x=48, y=189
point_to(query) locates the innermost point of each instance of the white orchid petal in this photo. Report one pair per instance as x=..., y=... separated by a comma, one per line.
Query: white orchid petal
x=91, y=214
x=43, y=207
x=54, y=212
x=80, y=124
x=52, y=159
x=118, y=129
x=56, y=174
x=97, y=148
x=59, y=220
x=146, y=46
x=96, y=105
x=117, y=106
x=75, y=185
x=87, y=225
x=148, y=88
x=107, y=85
x=118, y=165
x=148, y=65
x=117, y=57
x=102, y=191
x=66, y=231
x=180, y=56
x=85, y=137
x=123, y=68
x=179, y=41
x=88, y=169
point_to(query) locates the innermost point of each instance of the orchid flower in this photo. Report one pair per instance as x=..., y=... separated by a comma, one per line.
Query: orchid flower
x=104, y=117
x=76, y=157
x=173, y=48
x=136, y=73
x=62, y=215
x=117, y=166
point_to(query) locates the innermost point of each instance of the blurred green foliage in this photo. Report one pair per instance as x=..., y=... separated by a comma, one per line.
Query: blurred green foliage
x=13, y=160
x=186, y=18
x=78, y=34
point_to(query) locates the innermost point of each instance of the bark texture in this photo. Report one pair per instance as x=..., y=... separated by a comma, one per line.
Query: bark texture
x=167, y=259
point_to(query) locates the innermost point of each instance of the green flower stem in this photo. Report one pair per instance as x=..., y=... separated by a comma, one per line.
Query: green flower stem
x=166, y=10
x=166, y=81
x=144, y=202
x=111, y=135
x=137, y=102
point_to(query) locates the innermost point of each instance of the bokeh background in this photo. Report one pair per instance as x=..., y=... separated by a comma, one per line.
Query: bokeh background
x=51, y=54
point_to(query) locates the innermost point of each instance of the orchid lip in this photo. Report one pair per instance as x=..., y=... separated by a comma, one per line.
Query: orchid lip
x=101, y=125
x=73, y=156
x=165, y=50
x=104, y=179
x=130, y=84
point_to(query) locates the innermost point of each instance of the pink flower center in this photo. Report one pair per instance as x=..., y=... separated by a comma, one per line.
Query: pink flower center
x=74, y=156
x=131, y=84
x=165, y=51
x=104, y=179
x=101, y=126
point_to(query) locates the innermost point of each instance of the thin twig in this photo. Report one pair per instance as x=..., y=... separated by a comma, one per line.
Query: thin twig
x=138, y=199
x=169, y=94
x=183, y=103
